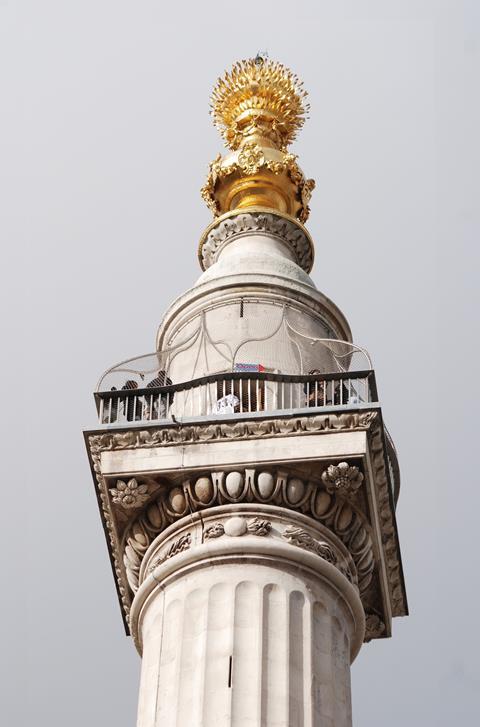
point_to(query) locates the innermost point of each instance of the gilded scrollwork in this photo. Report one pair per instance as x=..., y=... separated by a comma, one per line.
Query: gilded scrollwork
x=250, y=161
x=251, y=158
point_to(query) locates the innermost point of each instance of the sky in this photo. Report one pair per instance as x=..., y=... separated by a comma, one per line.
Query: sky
x=105, y=140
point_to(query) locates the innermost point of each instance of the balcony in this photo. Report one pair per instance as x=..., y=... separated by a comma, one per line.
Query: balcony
x=235, y=394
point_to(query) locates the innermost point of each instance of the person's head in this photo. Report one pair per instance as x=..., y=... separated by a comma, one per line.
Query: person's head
x=130, y=384
x=314, y=372
x=164, y=379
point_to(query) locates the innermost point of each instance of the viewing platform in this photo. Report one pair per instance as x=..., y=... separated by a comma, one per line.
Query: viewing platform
x=235, y=396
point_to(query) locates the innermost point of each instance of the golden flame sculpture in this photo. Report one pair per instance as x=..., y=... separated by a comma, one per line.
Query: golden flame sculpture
x=258, y=107
x=259, y=98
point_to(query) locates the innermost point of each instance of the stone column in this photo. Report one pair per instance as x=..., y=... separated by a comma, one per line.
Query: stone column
x=246, y=615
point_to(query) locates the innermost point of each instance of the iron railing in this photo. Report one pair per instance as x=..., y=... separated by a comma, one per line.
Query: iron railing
x=235, y=393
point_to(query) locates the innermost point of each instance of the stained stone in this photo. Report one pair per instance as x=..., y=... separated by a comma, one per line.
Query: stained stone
x=234, y=484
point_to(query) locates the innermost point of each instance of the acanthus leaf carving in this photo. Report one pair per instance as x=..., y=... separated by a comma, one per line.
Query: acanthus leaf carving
x=178, y=546
x=303, y=539
x=259, y=527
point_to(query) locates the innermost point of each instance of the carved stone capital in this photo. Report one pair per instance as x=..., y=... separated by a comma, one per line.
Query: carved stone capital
x=138, y=510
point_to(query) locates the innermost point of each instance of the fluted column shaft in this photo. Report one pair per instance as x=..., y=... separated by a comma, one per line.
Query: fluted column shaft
x=246, y=631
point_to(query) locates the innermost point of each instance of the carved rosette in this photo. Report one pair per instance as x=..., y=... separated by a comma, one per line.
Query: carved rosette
x=129, y=494
x=342, y=478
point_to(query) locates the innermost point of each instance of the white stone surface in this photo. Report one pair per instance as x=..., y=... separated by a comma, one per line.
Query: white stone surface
x=245, y=630
x=226, y=453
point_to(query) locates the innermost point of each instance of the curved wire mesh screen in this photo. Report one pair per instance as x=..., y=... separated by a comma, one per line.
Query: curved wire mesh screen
x=251, y=335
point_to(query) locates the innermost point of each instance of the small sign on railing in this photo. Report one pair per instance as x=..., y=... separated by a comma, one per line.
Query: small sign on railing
x=248, y=368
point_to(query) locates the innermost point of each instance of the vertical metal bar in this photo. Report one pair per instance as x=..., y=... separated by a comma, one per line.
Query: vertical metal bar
x=341, y=392
x=241, y=395
x=100, y=415
x=256, y=395
x=249, y=395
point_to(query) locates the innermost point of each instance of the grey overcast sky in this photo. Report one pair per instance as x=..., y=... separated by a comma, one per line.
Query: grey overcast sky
x=105, y=140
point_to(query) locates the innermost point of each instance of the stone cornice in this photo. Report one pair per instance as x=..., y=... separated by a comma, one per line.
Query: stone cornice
x=245, y=429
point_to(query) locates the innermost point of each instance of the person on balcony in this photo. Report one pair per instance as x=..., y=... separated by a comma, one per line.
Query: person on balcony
x=160, y=402
x=315, y=391
x=132, y=406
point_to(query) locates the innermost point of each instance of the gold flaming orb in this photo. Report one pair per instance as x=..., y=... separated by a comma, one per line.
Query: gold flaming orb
x=259, y=98
x=258, y=106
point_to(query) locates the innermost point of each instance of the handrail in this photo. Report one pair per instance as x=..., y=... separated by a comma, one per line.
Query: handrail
x=235, y=376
